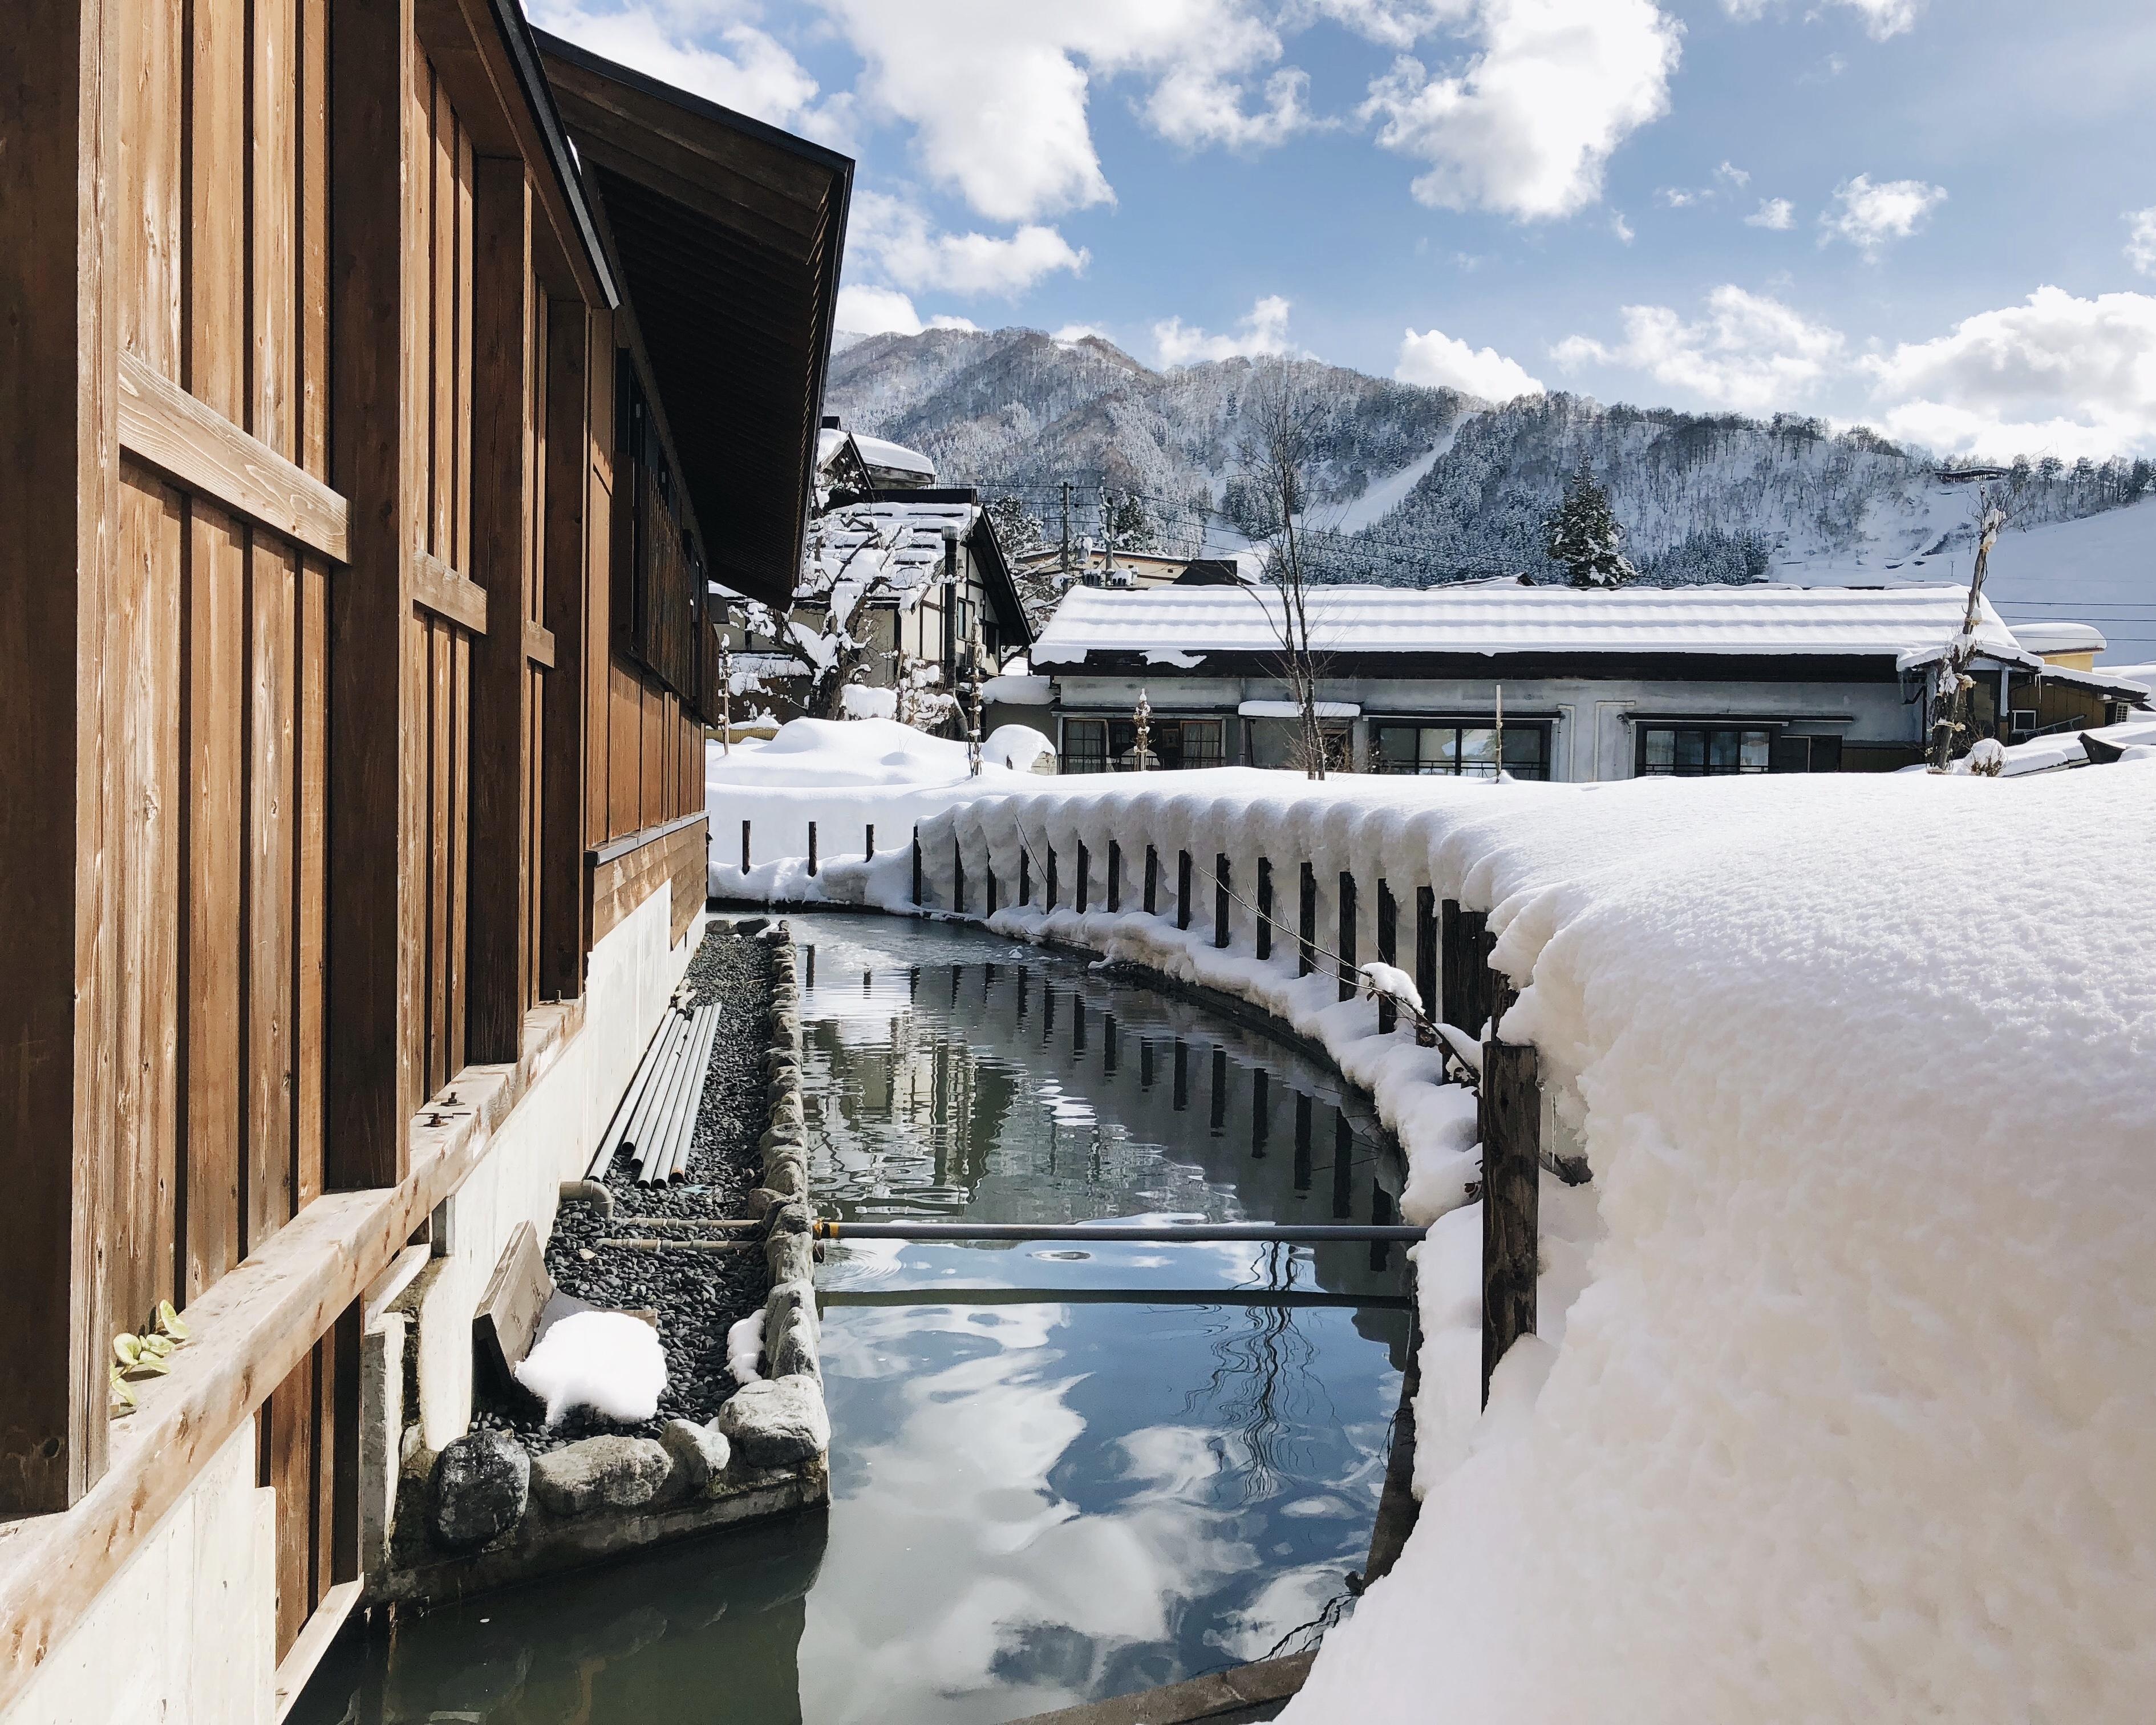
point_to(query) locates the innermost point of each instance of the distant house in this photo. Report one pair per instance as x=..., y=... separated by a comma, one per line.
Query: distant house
x=850, y=465
x=1091, y=565
x=1684, y=682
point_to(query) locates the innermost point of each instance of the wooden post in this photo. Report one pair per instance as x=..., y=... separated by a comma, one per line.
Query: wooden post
x=498, y=952
x=868, y=843
x=957, y=869
x=1465, y=965
x=1024, y=876
x=1264, y=907
x=379, y=353
x=1220, y=899
x=1182, y=889
x=1389, y=941
x=812, y=847
x=744, y=868
x=1306, y=921
x=1511, y=1117
x=917, y=865
x=60, y=853
x=1346, y=948
x=992, y=890
x=566, y=588
x=1052, y=882
x=1426, y=962
x=1115, y=875
x=1152, y=882
x=1085, y=869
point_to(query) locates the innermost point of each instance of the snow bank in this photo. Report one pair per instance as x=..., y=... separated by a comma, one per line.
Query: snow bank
x=606, y=1361
x=1841, y=1400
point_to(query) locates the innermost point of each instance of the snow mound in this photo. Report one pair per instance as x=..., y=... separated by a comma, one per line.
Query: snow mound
x=606, y=1361
x=1020, y=747
x=745, y=1348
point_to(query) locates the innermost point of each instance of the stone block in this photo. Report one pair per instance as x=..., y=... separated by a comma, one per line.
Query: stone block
x=600, y=1473
x=482, y=1482
x=700, y=1455
x=779, y=1422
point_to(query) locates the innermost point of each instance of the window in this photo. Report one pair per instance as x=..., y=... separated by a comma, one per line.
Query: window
x=1703, y=751
x=1461, y=751
x=1111, y=744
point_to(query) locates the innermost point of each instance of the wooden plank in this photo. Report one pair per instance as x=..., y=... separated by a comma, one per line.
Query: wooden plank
x=448, y=595
x=441, y=207
x=435, y=1067
x=507, y=1316
x=622, y=879
x=273, y=232
x=539, y=644
x=564, y=697
x=459, y=845
x=502, y=361
x=152, y=107
x=461, y=379
x=269, y=932
x=217, y=276
x=250, y=1331
x=1510, y=1109
x=311, y=1644
x=215, y=862
x=311, y=868
x=312, y=176
x=163, y=424
x=58, y=275
x=287, y=1428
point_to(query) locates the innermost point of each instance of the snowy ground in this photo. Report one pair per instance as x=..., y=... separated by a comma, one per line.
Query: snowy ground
x=2100, y=569
x=1841, y=1403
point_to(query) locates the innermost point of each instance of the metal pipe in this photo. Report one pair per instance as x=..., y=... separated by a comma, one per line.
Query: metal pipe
x=1285, y=1233
x=655, y=1059
x=658, y=1106
x=687, y=1103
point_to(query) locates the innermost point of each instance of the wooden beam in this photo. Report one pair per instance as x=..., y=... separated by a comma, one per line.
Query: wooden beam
x=627, y=872
x=539, y=644
x=58, y=545
x=250, y=1330
x=379, y=439
x=498, y=955
x=161, y=423
x=1510, y=1108
x=438, y=588
x=572, y=490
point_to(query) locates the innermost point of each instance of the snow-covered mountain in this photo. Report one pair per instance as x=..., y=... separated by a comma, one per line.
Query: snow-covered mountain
x=1414, y=484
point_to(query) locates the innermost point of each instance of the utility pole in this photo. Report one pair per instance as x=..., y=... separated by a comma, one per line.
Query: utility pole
x=1107, y=536
x=1066, y=533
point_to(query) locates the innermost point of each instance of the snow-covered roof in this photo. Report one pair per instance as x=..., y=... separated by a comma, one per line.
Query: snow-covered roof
x=1175, y=625
x=2105, y=679
x=1289, y=710
x=2060, y=637
x=1017, y=688
x=900, y=543
x=880, y=455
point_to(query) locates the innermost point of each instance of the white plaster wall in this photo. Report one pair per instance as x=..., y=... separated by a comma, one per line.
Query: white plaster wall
x=186, y=1633
x=548, y=1137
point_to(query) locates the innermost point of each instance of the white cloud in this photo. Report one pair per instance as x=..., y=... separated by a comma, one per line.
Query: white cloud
x=1392, y=23
x=1881, y=17
x=1868, y=216
x=749, y=71
x=876, y=311
x=1733, y=175
x=1073, y=333
x=1778, y=213
x=2055, y=374
x=1619, y=227
x=997, y=93
x=1749, y=351
x=1264, y=331
x=1525, y=128
x=1678, y=197
x=1443, y=362
x=896, y=238
x=2141, y=239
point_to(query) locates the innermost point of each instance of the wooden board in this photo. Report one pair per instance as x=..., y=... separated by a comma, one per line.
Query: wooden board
x=506, y=1321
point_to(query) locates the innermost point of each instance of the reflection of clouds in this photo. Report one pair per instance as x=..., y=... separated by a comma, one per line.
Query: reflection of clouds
x=946, y=1571
x=1290, y=1598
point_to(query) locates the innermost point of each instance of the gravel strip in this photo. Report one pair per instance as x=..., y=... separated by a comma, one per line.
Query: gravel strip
x=697, y=1294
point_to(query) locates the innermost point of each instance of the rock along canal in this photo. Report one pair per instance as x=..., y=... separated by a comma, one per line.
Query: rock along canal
x=1061, y=1471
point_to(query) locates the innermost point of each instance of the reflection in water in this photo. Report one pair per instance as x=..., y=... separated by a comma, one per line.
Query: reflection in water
x=1040, y=1495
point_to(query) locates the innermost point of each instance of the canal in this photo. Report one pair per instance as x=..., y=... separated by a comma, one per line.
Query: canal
x=1061, y=1471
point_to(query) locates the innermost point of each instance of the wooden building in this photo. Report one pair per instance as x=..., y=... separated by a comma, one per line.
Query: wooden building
x=366, y=449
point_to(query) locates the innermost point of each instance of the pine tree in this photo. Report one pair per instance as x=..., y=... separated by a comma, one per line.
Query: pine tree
x=1583, y=535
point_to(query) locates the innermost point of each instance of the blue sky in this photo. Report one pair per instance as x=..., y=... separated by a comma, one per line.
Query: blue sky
x=1934, y=216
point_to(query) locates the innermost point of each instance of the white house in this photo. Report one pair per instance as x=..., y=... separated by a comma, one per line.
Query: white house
x=1596, y=685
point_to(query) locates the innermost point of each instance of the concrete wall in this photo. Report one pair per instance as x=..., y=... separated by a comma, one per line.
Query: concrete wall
x=186, y=1633
x=1592, y=719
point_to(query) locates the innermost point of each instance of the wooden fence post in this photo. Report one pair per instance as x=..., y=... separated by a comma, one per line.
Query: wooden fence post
x=1182, y=889
x=917, y=865
x=991, y=888
x=1510, y=1117
x=868, y=843
x=1084, y=869
x=744, y=847
x=1426, y=962
x=1115, y=875
x=1306, y=960
x=1264, y=907
x=812, y=847
x=1220, y=899
x=1464, y=968
x=1152, y=881
x=1346, y=948
x=1025, y=876
x=957, y=875
x=1389, y=941
x=1051, y=904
